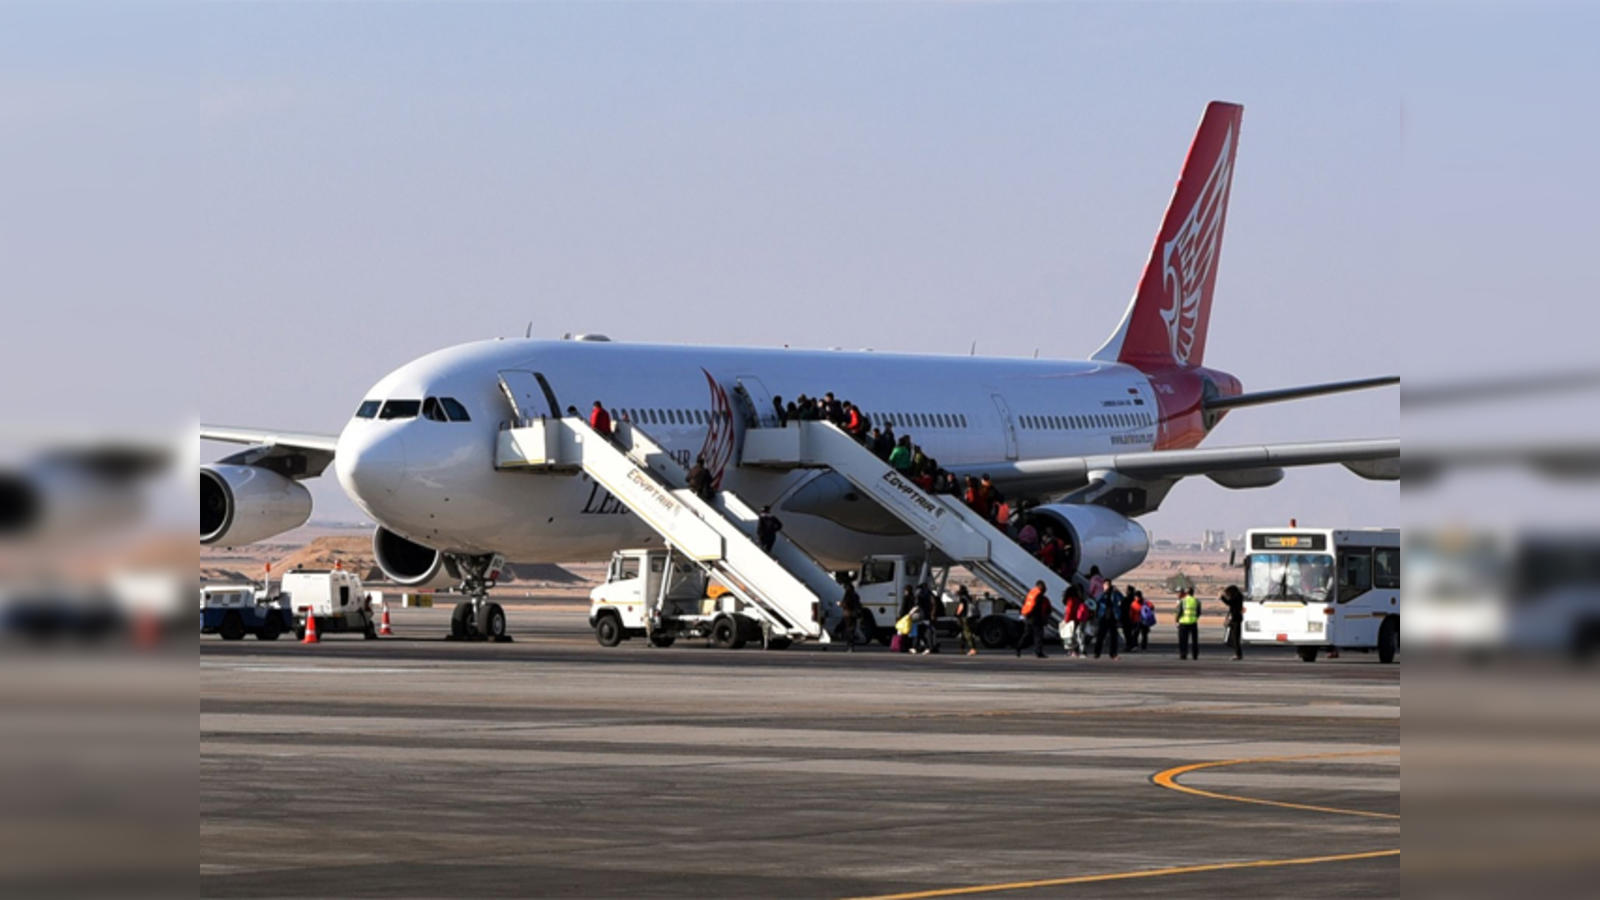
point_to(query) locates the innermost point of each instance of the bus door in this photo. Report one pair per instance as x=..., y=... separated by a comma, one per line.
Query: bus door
x=1354, y=623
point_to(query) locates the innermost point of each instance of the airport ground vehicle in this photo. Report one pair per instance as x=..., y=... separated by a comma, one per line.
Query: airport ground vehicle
x=664, y=596
x=234, y=610
x=335, y=597
x=1324, y=589
x=882, y=578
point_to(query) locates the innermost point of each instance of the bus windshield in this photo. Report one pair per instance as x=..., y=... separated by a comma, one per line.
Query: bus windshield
x=1289, y=576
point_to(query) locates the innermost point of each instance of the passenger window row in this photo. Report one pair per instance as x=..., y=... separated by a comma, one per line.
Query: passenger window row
x=1096, y=420
x=919, y=420
x=439, y=409
x=652, y=416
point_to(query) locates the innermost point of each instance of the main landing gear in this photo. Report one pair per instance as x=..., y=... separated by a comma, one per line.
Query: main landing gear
x=478, y=618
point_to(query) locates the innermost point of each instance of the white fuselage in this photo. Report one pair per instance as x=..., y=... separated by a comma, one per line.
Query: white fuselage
x=435, y=482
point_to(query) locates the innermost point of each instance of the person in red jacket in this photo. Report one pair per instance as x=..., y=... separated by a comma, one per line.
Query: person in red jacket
x=600, y=420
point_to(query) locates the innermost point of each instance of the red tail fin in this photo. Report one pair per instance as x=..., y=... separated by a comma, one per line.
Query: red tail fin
x=1166, y=323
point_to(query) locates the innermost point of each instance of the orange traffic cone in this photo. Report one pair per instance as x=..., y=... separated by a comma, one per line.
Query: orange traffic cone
x=311, y=629
x=383, y=626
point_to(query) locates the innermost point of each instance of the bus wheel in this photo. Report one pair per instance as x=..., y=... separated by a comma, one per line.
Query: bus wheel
x=608, y=629
x=1307, y=654
x=1388, y=640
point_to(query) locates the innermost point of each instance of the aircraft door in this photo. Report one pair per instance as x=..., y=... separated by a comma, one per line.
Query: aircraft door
x=1007, y=426
x=759, y=400
x=529, y=395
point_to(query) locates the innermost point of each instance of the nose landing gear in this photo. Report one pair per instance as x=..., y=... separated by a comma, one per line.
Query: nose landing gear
x=478, y=618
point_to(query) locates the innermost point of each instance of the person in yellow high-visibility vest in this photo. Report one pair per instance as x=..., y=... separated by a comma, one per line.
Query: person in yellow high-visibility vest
x=1188, y=623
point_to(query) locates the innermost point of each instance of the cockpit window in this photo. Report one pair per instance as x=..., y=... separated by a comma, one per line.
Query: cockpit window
x=368, y=409
x=444, y=409
x=400, y=409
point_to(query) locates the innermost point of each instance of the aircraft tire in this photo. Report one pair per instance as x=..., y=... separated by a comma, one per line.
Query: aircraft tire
x=492, y=621
x=461, y=621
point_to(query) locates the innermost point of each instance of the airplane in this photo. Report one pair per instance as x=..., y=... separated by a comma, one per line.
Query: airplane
x=1096, y=442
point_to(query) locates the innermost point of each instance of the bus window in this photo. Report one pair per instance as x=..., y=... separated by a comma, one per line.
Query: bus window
x=1288, y=576
x=1386, y=567
x=1355, y=574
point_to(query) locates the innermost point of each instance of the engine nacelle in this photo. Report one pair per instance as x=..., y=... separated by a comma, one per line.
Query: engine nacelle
x=1099, y=537
x=409, y=563
x=241, y=504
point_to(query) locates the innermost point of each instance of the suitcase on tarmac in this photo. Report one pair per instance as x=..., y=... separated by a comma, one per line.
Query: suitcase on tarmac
x=897, y=644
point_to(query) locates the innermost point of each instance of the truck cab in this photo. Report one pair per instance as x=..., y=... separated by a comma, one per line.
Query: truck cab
x=632, y=602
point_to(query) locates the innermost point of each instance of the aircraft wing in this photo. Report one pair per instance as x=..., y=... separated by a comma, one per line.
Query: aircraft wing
x=296, y=454
x=1246, y=466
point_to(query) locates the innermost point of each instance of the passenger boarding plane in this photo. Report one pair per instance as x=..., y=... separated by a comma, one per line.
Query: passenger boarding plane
x=1096, y=442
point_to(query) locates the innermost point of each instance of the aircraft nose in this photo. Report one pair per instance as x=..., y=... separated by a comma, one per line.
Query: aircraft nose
x=370, y=460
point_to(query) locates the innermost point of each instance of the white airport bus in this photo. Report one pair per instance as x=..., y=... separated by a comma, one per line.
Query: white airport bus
x=1323, y=589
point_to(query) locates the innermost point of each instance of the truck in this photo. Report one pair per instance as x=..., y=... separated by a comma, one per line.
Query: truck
x=234, y=610
x=881, y=581
x=660, y=596
x=335, y=597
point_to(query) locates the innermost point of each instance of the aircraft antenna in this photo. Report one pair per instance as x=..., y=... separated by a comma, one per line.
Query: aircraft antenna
x=528, y=333
x=973, y=350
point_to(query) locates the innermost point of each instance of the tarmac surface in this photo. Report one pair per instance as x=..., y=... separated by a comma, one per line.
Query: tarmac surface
x=413, y=766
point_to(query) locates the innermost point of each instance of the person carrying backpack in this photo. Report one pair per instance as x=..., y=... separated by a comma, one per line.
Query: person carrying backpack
x=1147, y=620
x=1130, y=624
x=1035, y=616
x=1113, y=607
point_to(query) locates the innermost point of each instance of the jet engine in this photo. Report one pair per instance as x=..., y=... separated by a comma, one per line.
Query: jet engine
x=411, y=564
x=1097, y=537
x=241, y=504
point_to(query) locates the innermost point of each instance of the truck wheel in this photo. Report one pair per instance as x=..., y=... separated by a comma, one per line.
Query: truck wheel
x=461, y=620
x=725, y=633
x=779, y=643
x=1388, y=640
x=492, y=621
x=662, y=638
x=1307, y=654
x=232, y=627
x=608, y=629
x=270, y=629
x=994, y=632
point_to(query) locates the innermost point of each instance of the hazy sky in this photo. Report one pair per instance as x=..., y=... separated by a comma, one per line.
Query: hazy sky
x=249, y=213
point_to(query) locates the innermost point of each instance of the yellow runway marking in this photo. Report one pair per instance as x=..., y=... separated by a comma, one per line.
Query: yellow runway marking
x=1168, y=779
x=1140, y=873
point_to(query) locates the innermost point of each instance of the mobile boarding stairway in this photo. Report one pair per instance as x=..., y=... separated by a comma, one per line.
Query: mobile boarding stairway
x=789, y=594
x=943, y=521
